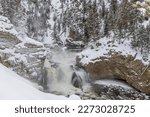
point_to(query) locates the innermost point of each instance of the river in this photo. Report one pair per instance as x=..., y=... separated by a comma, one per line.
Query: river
x=65, y=78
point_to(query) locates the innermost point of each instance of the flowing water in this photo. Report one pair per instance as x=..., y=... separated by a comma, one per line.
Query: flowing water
x=60, y=70
x=64, y=78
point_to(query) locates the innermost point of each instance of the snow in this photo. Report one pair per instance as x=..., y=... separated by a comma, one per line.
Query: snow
x=75, y=97
x=6, y=26
x=109, y=82
x=103, y=50
x=14, y=87
x=25, y=39
x=146, y=23
x=144, y=6
x=47, y=37
x=56, y=4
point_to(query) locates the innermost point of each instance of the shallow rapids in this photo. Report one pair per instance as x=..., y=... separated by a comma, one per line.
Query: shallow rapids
x=64, y=78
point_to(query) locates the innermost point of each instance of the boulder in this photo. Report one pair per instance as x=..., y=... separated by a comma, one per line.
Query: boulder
x=76, y=80
x=118, y=66
x=118, y=93
x=74, y=44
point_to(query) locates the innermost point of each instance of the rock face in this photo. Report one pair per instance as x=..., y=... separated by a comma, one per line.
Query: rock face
x=134, y=72
x=20, y=53
x=119, y=93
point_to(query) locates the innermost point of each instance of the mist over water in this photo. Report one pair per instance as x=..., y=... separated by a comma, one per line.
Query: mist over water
x=65, y=78
x=60, y=71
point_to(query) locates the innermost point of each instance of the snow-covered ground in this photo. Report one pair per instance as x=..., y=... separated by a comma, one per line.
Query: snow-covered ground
x=112, y=82
x=104, y=46
x=13, y=87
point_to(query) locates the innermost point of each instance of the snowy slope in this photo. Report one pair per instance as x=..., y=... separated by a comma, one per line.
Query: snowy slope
x=104, y=46
x=15, y=87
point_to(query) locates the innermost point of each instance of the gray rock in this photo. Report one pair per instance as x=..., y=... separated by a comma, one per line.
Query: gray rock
x=119, y=93
x=76, y=80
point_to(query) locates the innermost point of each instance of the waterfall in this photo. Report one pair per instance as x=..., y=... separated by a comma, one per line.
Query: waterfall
x=60, y=69
x=64, y=78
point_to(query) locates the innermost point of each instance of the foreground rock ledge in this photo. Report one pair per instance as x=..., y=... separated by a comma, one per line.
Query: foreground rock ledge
x=134, y=72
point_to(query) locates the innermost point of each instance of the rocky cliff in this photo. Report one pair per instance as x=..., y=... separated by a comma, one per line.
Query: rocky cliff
x=106, y=59
x=19, y=52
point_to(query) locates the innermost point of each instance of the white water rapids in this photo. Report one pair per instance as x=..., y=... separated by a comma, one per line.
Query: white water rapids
x=60, y=69
x=62, y=76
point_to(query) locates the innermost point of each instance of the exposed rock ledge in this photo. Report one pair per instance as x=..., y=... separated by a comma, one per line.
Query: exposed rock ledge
x=134, y=72
x=20, y=53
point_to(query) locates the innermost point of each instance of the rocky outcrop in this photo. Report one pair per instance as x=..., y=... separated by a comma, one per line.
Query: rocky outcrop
x=20, y=53
x=118, y=93
x=31, y=61
x=134, y=72
x=70, y=44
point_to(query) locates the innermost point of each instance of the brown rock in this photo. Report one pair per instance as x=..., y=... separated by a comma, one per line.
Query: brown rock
x=120, y=67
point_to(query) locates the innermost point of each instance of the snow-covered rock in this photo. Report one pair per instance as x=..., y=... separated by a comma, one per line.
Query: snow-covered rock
x=14, y=87
x=70, y=44
x=108, y=59
x=117, y=90
x=6, y=26
x=19, y=52
x=144, y=7
x=105, y=47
